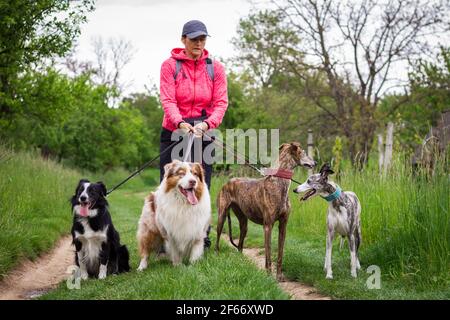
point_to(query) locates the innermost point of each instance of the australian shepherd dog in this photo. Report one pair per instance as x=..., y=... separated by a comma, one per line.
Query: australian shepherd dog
x=97, y=243
x=177, y=215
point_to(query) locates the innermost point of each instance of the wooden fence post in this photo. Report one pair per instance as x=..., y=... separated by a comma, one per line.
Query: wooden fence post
x=388, y=150
x=380, y=153
x=310, y=149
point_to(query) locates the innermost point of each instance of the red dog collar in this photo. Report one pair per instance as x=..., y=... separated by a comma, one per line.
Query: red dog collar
x=280, y=173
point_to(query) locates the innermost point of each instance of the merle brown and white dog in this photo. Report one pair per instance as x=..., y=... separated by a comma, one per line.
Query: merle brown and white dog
x=177, y=214
x=97, y=243
x=264, y=201
x=344, y=215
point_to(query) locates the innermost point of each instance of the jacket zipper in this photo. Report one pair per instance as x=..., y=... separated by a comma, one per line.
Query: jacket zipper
x=195, y=75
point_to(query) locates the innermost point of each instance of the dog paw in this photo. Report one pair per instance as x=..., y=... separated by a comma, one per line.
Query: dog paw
x=141, y=267
x=84, y=275
x=281, y=278
x=102, y=272
x=329, y=276
x=353, y=274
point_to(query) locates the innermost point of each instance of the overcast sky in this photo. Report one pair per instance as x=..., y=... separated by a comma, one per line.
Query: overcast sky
x=154, y=28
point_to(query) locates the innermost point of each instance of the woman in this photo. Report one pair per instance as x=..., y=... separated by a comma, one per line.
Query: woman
x=193, y=92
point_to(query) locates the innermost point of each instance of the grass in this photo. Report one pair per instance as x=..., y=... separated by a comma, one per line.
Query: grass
x=405, y=229
x=228, y=275
x=34, y=206
x=34, y=203
x=35, y=212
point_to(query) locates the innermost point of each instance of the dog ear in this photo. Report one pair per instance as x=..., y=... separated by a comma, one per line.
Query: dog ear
x=198, y=170
x=102, y=187
x=283, y=146
x=167, y=168
x=326, y=170
x=295, y=147
x=80, y=184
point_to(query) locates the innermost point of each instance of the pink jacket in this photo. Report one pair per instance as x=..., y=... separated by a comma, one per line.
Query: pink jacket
x=192, y=91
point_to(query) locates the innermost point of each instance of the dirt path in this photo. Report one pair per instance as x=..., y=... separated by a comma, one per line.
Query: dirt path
x=297, y=290
x=34, y=278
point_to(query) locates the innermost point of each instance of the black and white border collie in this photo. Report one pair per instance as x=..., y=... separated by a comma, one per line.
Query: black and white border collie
x=97, y=243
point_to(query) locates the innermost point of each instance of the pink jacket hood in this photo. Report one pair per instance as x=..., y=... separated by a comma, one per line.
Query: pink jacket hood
x=192, y=91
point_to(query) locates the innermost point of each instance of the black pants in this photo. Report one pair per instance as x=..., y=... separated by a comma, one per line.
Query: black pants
x=167, y=156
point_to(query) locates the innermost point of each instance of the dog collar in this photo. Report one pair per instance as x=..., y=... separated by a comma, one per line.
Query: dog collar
x=334, y=195
x=280, y=173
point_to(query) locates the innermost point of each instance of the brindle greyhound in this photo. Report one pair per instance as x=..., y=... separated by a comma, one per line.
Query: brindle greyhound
x=264, y=201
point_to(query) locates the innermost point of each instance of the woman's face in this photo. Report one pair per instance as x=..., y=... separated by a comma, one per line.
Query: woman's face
x=194, y=47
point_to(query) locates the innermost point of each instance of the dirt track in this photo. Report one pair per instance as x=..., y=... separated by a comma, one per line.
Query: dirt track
x=34, y=278
x=296, y=290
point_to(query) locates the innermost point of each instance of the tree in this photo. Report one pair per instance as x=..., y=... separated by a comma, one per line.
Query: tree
x=265, y=46
x=31, y=31
x=373, y=36
x=276, y=82
x=112, y=56
x=428, y=97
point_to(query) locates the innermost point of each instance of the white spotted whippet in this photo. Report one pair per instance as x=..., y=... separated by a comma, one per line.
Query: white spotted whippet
x=344, y=211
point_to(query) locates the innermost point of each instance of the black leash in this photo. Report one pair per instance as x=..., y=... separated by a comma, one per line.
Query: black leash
x=144, y=166
x=214, y=139
x=247, y=162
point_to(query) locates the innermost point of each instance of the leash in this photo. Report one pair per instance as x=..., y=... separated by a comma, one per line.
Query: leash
x=263, y=171
x=246, y=161
x=189, y=146
x=144, y=166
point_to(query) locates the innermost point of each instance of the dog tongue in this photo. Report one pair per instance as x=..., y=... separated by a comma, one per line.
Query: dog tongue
x=191, y=197
x=84, y=211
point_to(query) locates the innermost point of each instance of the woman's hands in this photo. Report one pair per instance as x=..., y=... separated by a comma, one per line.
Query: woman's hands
x=186, y=127
x=198, y=129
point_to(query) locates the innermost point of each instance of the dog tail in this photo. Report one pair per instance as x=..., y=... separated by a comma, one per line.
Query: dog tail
x=358, y=238
x=124, y=258
x=229, y=229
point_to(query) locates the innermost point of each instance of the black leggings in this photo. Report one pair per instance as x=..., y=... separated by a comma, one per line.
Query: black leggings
x=166, y=158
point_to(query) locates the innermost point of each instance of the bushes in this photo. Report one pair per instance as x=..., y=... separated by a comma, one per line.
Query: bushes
x=69, y=119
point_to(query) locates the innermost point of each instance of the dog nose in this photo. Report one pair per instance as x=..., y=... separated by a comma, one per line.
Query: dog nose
x=192, y=183
x=83, y=198
x=295, y=190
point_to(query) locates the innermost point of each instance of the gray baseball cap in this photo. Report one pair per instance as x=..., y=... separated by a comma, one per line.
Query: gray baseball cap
x=194, y=28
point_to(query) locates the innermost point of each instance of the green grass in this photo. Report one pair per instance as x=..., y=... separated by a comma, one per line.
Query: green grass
x=405, y=230
x=34, y=206
x=34, y=202
x=405, y=227
x=228, y=275
x=35, y=212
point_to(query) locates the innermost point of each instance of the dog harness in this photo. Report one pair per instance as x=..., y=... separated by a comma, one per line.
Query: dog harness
x=334, y=195
x=280, y=173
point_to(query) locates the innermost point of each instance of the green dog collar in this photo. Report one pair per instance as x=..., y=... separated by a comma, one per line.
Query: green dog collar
x=334, y=195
